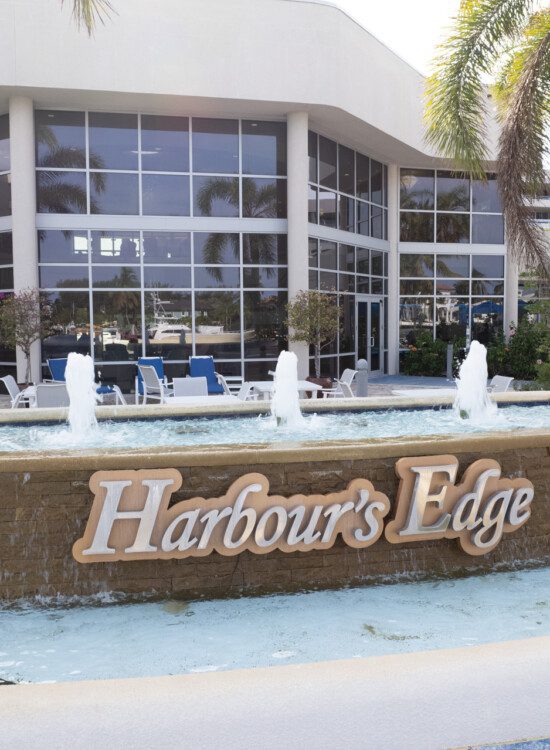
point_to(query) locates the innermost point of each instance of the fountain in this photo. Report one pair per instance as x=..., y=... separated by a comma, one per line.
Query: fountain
x=285, y=405
x=472, y=399
x=82, y=390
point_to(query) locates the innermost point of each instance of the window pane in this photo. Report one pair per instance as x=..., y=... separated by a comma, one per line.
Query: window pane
x=457, y=266
x=264, y=198
x=346, y=282
x=265, y=249
x=215, y=146
x=377, y=222
x=61, y=192
x=71, y=318
x=485, y=195
x=417, y=265
x=115, y=247
x=112, y=193
x=314, y=279
x=377, y=286
x=216, y=196
x=166, y=277
x=362, y=180
x=264, y=147
x=346, y=258
x=54, y=277
x=166, y=247
x=327, y=255
x=488, y=266
x=417, y=188
x=488, y=287
x=377, y=262
x=61, y=140
x=363, y=285
x=347, y=334
x=487, y=319
x=453, y=228
x=327, y=208
x=113, y=140
x=313, y=252
x=453, y=192
x=416, y=315
x=488, y=230
x=453, y=287
x=452, y=318
x=265, y=278
x=6, y=278
x=218, y=324
x=56, y=246
x=5, y=195
x=363, y=264
x=216, y=247
x=376, y=182
x=346, y=213
x=116, y=276
x=217, y=277
x=164, y=144
x=410, y=288
x=363, y=224
x=312, y=154
x=4, y=143
x=6, y=248
x=165, y=195
x=168, y=325
x=312, y=205
x=328, y=281
x=327, y=163
x=117, y=326
x=416, y=227
x=346, y=170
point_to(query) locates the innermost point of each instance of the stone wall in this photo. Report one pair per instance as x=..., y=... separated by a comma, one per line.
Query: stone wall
x=44, y=506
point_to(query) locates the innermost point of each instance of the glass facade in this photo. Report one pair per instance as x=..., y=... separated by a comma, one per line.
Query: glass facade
x=5, y=182
x=347, y=190
x=450, y=295
x=348, y=271
x=446, y=207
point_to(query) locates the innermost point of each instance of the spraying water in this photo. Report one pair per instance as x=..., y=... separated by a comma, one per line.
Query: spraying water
x=81, y=386
x=285, y=405
x=472, y=399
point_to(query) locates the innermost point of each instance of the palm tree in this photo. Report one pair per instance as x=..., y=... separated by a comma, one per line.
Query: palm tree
x=88, y=12
x=506, y=39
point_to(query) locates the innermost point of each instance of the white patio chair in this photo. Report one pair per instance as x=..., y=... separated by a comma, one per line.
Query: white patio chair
x=247, y=393
x=190, y=387
x=342, y=388
x=500, y=384
x=153, y=386
x=51, y=395
x=17, y=397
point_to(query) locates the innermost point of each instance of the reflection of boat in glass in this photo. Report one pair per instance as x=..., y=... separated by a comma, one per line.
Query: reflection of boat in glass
x=170, y=333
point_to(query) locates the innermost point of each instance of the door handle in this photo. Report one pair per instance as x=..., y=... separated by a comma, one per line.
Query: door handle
x=372, y=341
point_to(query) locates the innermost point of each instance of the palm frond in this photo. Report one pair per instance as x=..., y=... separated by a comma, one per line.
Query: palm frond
x=456, y=105
x=87, y=13
x=524, y=94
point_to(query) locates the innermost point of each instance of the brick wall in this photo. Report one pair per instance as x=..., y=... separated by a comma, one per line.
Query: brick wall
x=42, y=513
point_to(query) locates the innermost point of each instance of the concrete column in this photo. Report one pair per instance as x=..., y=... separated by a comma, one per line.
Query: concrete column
x=23, y=199
x=510, y=295
x=297, y=200
x=392, y=334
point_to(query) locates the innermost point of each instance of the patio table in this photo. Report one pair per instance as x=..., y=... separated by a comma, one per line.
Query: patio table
x=266, y=387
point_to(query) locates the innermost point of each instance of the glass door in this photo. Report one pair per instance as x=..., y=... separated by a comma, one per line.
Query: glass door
x=370, y=332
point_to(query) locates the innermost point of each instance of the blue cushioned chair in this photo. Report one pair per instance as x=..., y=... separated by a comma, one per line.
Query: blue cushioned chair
x=157, y=363
x=57, y=367
x=203, y=367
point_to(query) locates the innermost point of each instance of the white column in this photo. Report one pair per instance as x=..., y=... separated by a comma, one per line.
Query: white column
x=510, y=295
x=392, y=334
x=23, y=199
x=297, y=211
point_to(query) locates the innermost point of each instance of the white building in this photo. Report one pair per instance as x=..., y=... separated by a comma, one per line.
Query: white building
x=198, y=162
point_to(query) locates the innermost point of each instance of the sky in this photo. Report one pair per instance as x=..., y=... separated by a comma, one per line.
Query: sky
x=412, y=28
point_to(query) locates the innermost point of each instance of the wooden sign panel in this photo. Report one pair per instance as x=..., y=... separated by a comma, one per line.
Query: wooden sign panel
x=131, y=519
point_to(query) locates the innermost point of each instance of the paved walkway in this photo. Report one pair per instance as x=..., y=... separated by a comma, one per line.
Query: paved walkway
x=434, y=700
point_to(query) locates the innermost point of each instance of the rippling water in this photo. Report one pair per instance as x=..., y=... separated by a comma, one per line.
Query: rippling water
x=262, y=429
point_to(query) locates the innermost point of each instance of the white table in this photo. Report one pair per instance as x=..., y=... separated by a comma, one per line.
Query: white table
x=202, y=400
x=266, y=387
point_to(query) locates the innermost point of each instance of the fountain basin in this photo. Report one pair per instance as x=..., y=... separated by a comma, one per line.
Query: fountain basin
x=46, y=503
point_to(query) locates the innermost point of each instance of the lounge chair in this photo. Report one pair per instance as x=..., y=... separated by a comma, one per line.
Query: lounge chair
x=247, y=393
x=158, y=364
x=203, y=367
x=153, y=386
x=57, y=367
x=500, y=384
x=231, y=384
x=17, y=397
x=51, y=395
x=190, y=387
x=342, y=389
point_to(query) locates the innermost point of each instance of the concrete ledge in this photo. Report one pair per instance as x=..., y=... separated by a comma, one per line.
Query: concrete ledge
x=431, y=700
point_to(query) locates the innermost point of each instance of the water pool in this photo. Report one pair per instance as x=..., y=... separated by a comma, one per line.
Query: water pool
x=193, y=431
x=47, y=644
